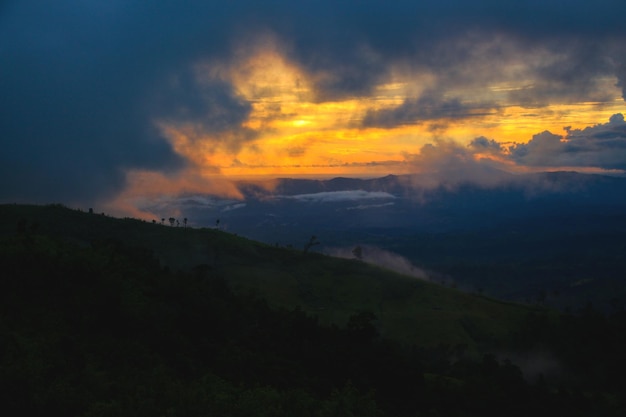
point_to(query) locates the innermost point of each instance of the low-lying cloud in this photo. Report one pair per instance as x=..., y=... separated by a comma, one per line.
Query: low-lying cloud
x=370, y=206
x=489, y=163
x=600, y=146
x=380, y=257
x=445, y=163
x=340, y=196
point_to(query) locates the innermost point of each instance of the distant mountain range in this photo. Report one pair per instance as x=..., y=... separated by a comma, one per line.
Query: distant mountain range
x=479, y=235
x=286, y=209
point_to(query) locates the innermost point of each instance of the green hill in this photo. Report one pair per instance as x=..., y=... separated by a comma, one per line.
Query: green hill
x=407, y=309
x=114, y=317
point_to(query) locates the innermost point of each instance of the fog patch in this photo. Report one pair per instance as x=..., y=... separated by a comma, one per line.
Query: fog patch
x=535, y=364
x=234, y=207
x=370, y=206
x=340, y=196
x=380, y=257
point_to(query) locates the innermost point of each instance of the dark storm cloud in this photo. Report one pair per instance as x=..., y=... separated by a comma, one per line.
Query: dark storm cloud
x=76, y=84
x=427, y=107
x=482, y=144
x=214, y=104
x=600, y=146
x=621, y=74
x=209, y=107
x=573, y=72
x=81, y=83
x=360, y=39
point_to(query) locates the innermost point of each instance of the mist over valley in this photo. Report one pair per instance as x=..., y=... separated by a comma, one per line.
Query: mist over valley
x=554, y=238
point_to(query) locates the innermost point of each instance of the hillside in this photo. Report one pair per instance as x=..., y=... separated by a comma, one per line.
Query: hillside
x=408, y=309
x=555, y=238
x=92, y=323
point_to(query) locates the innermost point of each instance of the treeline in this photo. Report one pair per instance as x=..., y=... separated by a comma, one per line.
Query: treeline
x=104, y=330
x=589, y=346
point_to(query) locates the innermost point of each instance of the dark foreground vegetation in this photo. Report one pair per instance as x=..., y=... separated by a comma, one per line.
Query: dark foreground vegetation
x=103, y=329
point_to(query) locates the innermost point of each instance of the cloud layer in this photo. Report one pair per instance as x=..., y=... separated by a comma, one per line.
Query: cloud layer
x=602, y=146
x=380, y=257
x=340, y=196
x=91, y=92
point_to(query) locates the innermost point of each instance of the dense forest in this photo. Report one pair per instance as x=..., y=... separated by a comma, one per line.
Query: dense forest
x=102, y=328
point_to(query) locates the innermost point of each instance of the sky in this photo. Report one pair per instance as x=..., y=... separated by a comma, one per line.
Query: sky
x=109, y=102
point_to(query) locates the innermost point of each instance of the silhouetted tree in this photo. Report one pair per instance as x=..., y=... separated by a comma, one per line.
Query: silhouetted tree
x=172, y=220
x=358, y=253
x=185, y=222
x=312, y=242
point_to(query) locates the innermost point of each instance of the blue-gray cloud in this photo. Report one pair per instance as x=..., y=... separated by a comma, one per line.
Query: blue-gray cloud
x=209, y=107
x=426, y=108
x=600, y=146
x=81, y=84
x=482, y=144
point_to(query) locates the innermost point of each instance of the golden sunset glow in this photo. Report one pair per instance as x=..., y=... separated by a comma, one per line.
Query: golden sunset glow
x=296, y=135
x=193, y=95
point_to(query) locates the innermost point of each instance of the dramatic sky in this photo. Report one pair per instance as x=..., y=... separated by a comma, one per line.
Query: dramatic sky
x=106, y=102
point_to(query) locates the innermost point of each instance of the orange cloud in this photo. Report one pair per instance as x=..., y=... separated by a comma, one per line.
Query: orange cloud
x=143, y=185
x=288, y=131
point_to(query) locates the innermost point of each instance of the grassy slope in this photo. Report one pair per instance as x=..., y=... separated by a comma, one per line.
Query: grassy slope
x=408, y=310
